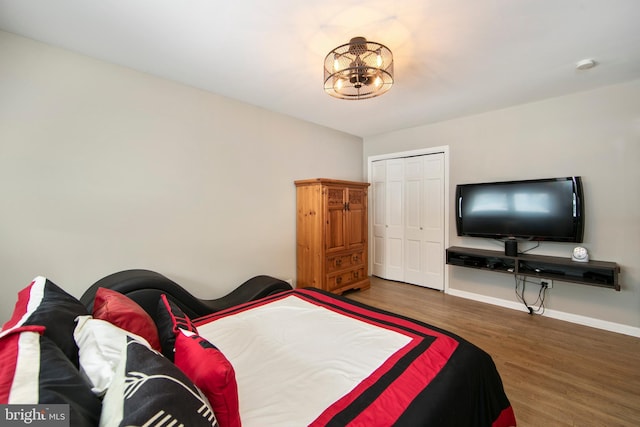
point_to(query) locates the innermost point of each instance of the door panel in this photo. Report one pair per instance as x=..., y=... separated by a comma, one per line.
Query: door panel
x=433, y=215
x=413, y=233
x=335, y=230
x=394, y=220
x=434, y=221
x=378, y=189
x=434, y=271
x=335, y=225
x=393, y=261
x=378, y=256
x=356, y=214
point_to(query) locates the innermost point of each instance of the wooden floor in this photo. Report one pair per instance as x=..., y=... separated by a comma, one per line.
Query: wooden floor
x=555, y=373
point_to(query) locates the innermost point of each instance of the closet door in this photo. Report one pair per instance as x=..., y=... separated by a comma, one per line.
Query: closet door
x=408, y=220
x=394, y=220
x=378, y=195
x=414, y=248
x=433, y=221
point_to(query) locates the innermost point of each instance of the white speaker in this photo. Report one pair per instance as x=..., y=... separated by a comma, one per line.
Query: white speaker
x=580, y=254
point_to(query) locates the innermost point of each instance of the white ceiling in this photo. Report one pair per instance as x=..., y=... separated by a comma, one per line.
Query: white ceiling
x=452, y=57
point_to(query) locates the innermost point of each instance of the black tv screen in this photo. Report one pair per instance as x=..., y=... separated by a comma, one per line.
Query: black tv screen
x=549, y=209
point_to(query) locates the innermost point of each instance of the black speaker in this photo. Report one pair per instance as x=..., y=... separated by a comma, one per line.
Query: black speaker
x=511, y=247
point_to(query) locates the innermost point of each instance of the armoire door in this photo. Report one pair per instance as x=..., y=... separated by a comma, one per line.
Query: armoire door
x=335, y=225
x=408, y=198
x=346, y=212
x=356, y=217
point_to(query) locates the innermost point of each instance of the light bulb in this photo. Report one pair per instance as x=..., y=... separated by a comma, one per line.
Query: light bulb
x=379, y=58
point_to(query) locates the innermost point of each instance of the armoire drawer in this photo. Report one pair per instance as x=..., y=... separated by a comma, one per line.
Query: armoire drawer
x=344, y=261
x=346, y=278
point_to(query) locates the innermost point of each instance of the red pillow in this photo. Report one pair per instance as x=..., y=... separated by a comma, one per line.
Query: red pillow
x=126, y=314
x=210, y=370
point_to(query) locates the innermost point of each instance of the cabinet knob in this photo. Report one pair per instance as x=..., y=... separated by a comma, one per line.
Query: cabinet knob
x=338, y=280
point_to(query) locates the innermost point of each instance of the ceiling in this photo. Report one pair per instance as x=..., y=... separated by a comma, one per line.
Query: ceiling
x=451, y=57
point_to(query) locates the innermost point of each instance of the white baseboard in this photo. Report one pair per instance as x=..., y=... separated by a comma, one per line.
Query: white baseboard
x=560, y=315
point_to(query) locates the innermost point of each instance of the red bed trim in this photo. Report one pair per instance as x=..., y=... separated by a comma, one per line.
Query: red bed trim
x=421, y=366
x=387, y=407
x=506, y=418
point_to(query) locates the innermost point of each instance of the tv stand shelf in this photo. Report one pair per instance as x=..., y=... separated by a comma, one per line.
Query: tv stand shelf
x=595, y=273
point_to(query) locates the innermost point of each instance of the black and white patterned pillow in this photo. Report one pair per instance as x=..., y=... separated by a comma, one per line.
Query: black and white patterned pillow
x=33, y=370
x=150, y=390
x=44, y=303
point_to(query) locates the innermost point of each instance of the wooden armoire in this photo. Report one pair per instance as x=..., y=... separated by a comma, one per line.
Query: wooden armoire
x=331, y=234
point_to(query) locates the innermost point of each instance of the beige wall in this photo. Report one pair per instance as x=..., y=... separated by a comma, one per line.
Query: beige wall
x=103, y=169
x=594, y=134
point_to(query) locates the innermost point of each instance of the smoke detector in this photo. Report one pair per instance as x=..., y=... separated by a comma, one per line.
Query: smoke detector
x=585, y=64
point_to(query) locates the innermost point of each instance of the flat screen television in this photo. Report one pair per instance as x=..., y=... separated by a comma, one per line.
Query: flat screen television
x=550, y=209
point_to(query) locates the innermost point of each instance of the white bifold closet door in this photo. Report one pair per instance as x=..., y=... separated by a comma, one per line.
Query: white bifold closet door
x=408, y=220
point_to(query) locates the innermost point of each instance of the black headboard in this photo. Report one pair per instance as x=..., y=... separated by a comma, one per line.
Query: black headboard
x=146, y=286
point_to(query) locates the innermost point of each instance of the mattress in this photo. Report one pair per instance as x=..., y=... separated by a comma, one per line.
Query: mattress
x=306, y=357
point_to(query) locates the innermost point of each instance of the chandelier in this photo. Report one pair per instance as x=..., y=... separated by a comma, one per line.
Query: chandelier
x=359, y=69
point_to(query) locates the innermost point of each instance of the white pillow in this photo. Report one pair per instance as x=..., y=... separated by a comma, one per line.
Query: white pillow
x=100, y=346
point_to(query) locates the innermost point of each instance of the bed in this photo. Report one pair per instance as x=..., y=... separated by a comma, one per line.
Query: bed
x=306, y=357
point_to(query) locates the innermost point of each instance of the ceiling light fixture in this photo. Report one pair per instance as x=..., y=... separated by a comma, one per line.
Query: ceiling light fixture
x=359, y=69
